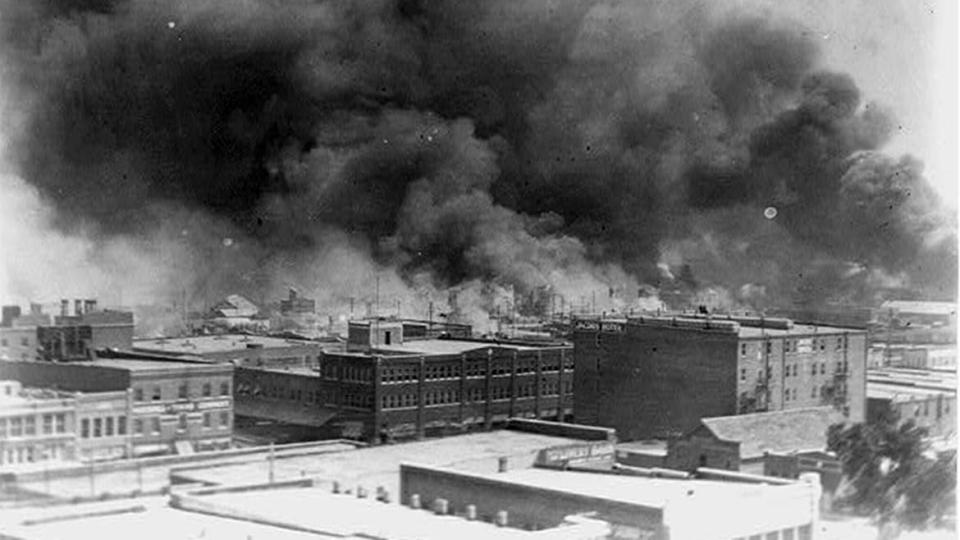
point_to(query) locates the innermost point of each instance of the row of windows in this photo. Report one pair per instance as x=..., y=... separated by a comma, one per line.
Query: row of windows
x=925, y=409
x=102, y=427
x=152, y=425
x=791, y=345
x=350, y=373
x=206, y=390
x=24, y=342
x=26, y=426
x=476, y=394
x=32, y=454
x=792, y=370
x=474, y=368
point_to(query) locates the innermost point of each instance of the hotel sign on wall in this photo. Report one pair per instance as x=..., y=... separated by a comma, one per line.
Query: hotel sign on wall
x=599, y=326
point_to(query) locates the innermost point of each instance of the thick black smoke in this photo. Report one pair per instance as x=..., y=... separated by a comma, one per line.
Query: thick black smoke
x=520, y=144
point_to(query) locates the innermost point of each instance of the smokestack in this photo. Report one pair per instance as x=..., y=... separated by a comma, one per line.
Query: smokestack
x=89, y=305
x=64, y=307
x=78, y=307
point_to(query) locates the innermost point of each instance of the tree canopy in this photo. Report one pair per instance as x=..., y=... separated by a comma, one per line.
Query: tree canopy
x=891, y=474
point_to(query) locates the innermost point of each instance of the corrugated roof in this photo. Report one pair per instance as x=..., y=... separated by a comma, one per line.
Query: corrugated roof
x=777, y=431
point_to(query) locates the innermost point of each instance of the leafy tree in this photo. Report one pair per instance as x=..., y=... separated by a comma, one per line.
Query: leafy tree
x=891, y=474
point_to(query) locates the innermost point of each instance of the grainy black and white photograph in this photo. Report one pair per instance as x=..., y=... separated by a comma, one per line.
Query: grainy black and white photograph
x=492, y=269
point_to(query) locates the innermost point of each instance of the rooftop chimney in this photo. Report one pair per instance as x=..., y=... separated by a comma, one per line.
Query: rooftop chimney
x=89, y=305
x=78, y=307
x=64, y=307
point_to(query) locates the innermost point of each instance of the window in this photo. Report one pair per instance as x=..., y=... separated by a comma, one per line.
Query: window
x=839, y=343
x=25, y=342
x=156, y=424
x=224, y=419
x=138, y=426
x=182, y=423
x=156, y=393
x=97, y=427
x=813, y=391
x=121, y=425
x=743, y=374
x=769, y=347
x=138, y=394
x=224, y=389
x=743, y=349
x=85, y=428
x=207, y=390
x=813, y=368
x=30, y=426
x=3, y=342
x=206, y=420
x=61, y=421
x=47, y=424
x=109, y=427
x=182, y=391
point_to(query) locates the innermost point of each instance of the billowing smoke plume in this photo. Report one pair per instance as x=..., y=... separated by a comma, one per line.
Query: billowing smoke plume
x=576, y=148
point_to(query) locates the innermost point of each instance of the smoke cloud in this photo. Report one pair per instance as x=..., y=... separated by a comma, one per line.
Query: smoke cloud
x=578, y=151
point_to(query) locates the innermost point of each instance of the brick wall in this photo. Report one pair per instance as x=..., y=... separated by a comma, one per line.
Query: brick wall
x=527, y=506
x=653, y=382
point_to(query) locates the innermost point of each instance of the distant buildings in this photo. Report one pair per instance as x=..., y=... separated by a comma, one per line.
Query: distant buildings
x=76, y=336
x=18, y=333
x=238, y=349
x=929, y=398
x=657, y=377
x=127, y=406
x=35, y=425
x=394, y=381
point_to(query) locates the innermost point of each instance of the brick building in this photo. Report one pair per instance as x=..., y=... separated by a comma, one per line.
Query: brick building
x=18, y=332
x=145, y=406
x=238, y=349
x=929, y=398
x=389, y=387
x=656, y=377
x=76, y=336
x=35, y=425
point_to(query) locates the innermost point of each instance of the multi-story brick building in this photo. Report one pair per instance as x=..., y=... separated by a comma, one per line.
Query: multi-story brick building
x=656, y=377
x=144, y=406
x=35, y=425
x=77, y=336
x=18, y=332
x=388, y=387
x=238, y=349
x=928, y=398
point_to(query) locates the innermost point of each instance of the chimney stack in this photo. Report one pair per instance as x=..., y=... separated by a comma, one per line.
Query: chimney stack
x=89, y=305
x=78, y=307
x=64, y=307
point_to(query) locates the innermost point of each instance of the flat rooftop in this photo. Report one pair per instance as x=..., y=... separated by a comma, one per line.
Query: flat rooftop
x=217, y=344
x=348, y=516
x=144, y=519
x=797, y=330
x=135, y=364
x=450, y=346
x=653, y=448
x=641, y=491
x=743, y=327
x=902, y=394
x=280, y=513
x=380, y=465
x=917, y=378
